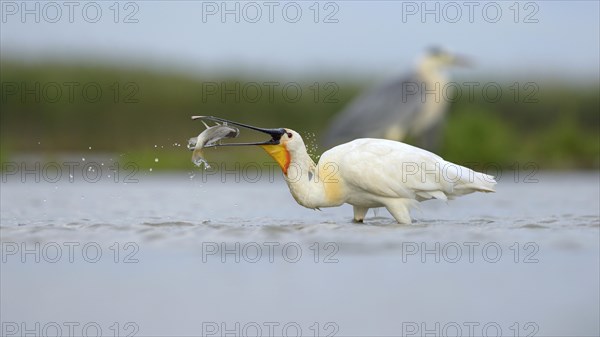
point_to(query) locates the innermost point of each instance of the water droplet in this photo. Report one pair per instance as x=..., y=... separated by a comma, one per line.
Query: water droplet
x=156, y=160
x=89, y=148
x=150, y=170
x=82, y=158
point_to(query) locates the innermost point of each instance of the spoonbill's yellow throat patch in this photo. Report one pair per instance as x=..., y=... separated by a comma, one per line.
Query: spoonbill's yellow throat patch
x=280, y=154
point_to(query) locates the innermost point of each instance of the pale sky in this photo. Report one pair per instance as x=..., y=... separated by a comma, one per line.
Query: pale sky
x=554, y=38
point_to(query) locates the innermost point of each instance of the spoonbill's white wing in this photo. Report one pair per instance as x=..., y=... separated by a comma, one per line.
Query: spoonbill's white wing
x=389, y=169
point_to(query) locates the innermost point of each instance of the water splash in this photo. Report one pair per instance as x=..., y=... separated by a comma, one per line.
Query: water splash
x=198, y=161
x=312, y=147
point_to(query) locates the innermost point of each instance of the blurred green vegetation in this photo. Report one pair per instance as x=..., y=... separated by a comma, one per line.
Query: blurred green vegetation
x=142, y=115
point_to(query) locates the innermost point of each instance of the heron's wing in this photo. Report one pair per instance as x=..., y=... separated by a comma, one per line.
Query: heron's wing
x=372, y=112
x=430, y=138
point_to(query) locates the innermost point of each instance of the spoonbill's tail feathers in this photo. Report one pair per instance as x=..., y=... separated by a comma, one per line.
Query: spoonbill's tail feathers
x=475, y=182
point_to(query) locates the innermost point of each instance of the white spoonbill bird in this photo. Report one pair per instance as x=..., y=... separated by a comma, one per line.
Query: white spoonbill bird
x=365, y=173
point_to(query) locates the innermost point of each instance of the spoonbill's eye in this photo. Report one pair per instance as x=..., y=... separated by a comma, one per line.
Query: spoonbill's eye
x=289, y=134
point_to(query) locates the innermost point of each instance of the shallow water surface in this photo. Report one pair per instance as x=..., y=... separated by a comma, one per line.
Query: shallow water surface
x=171, y=255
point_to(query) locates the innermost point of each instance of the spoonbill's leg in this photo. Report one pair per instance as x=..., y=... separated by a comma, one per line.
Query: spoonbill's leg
x=399, y=210
x=359, y=213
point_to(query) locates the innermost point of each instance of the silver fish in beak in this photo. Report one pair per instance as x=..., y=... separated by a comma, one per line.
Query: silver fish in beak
x=209, y=138
x=274, y=133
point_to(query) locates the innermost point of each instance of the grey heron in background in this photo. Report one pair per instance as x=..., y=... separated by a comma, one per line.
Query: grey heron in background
x=411, y=106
